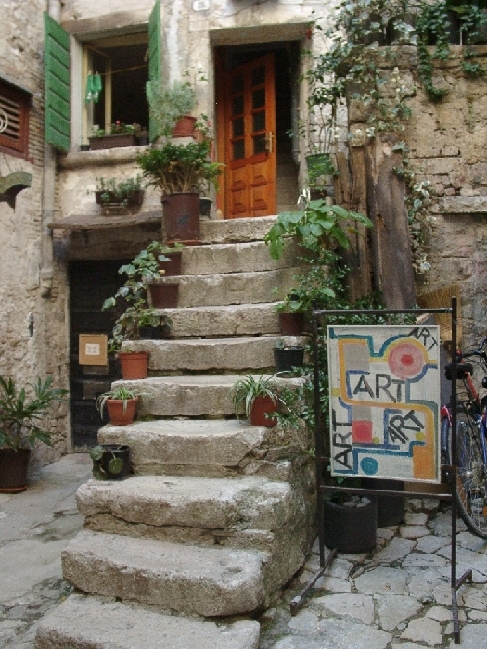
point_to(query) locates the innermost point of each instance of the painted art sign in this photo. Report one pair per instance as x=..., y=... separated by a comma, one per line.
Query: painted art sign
x=385, y=401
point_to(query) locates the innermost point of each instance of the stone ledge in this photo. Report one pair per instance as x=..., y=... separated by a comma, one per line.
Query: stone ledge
x=460, y=205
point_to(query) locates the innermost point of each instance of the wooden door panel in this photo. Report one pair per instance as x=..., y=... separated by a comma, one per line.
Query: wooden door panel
x=250, y=125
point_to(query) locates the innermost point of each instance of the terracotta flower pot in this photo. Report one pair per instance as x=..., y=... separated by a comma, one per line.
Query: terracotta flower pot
x=261, y=407
x=184, y=127
x=164, y=296
x=174, y=265
x=290, y=323
x=116, y=413
x=134, y=364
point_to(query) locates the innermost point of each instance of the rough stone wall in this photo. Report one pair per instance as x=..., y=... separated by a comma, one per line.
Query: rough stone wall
x=447, y=148
x=22, y=355
x=447, y=141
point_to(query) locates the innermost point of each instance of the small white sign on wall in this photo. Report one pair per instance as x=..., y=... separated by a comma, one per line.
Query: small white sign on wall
x=93, y=349
x=201, y=5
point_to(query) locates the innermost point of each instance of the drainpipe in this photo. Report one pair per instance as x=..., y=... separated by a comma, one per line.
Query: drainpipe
x=53, y=9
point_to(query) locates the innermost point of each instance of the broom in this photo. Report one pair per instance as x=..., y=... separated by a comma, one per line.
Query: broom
x=441, y=299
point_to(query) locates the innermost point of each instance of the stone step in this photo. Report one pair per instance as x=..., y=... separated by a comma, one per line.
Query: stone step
x=197, y=395
x=235, y=230
x=219, y=321
x=82, y=622
x=212, y=448
x=235, y=258
x=236, y=512
x=232, y=288
x=207, y=581
x=238, y=354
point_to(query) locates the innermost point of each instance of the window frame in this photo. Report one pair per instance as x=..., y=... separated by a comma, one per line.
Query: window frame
x=16, y=146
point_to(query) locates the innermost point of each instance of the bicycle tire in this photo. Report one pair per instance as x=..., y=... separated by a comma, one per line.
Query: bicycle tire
x=471, y=482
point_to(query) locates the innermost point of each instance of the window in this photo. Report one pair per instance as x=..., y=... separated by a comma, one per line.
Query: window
x=122, y=66
x=14, y=119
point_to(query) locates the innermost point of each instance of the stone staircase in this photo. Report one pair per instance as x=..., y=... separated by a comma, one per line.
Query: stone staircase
x=218, y=514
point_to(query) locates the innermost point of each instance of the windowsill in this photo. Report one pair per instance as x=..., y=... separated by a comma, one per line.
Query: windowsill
x=77, y=159
x=99, y=222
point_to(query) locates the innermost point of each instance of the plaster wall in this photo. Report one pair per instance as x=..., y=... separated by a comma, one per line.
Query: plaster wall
x=29, y=314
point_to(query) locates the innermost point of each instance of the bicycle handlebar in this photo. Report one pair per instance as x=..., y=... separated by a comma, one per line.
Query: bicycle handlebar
x=476, y=352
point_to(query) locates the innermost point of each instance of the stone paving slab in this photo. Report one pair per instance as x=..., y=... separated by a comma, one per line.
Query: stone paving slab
x=85, y=622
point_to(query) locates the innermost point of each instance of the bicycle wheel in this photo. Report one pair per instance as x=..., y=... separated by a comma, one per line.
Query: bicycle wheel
x=471, y=482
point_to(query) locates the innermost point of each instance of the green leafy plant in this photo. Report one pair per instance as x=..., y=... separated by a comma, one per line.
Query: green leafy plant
x=119, y=393
x=132, y=295
x=246, y=389
x=22, y=411
x=120, y=189
x=116, y=128
x=168, y=104
x=314, y=224
x=115, y=463
x=180, y=168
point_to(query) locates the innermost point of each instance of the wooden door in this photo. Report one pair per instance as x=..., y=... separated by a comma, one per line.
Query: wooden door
x=250, y=128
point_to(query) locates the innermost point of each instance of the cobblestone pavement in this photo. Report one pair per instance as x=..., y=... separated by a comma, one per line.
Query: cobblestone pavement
x=397, y=597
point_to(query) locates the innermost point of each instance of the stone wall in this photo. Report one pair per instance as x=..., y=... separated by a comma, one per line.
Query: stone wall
x=447, y=148
x=25, y=355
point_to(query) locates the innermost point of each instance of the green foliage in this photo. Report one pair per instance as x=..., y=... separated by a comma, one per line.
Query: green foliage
x=115, y=464
x=168, y=104
x=21, y=414
x=122, y=189
x=314, y=225
x=120, y=393
x=143, y=269
x=180, y=168
x=117, y=128
x=246, y=389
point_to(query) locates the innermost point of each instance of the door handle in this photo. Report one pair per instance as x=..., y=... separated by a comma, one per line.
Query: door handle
x=269, y=142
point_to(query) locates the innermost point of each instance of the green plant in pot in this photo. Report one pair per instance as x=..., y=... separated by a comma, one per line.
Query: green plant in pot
x=120, y=403
x=22, y=411
x=133, y=296
x=168, y=104
x=259, y=397
x=110, y=461
x=180, y=172
x=114, y=193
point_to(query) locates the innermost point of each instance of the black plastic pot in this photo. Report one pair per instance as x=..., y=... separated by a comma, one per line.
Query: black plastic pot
x=113, y=470
x=286, y=358
x=350, y=530
x=14, y=466
x=391, y=509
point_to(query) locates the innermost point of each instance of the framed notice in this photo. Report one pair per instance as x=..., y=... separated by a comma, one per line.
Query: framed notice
x=93, y=349
x=384, y=384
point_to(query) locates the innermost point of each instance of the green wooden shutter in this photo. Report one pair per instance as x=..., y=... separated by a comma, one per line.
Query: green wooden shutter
x=57, y=85
x=154, y=38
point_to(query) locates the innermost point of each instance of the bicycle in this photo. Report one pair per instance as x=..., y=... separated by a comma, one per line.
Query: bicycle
x=471, y=442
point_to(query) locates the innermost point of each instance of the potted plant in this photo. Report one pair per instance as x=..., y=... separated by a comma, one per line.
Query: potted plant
x=169, y=108
x=180, y=172
x=114, y=194
x=21, y=414
x=121, y=403
x=259, y=398
x=138, y=314
x=110, y=461
x=288, y=355
x=116, y=135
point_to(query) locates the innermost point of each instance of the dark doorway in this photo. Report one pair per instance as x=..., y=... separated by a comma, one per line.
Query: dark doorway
x=91, y=282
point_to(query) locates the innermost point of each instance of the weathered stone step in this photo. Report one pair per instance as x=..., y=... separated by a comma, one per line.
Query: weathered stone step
x=195, y=447
x=238, y=354
x=224, y=320
x=190, y=579
x=189, y=396
x=232, y=288
x=201, y=510
x=82, y=622
x=235, y=230
x=235, y=258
